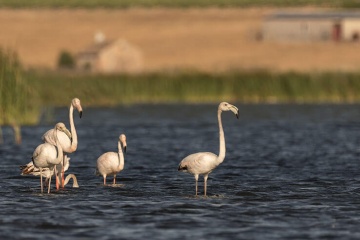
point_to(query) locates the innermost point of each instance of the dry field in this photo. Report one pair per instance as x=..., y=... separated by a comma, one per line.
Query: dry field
x=203, y=39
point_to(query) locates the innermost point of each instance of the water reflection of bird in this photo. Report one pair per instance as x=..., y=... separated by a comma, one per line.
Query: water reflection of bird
x=47, y=155
x=30, y=169
x=203, y=163
x=68, y=143
x=112, y=162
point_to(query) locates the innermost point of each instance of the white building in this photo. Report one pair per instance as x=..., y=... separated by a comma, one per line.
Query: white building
x=318, y=26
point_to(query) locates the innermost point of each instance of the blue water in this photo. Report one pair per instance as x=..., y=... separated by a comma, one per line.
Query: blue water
x=290, y=172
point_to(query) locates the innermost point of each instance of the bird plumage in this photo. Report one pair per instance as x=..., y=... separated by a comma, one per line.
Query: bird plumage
x=48, y=156
x=111, y=163
x=67, y=142
x=30, y=169
x=204, y=163
x=198, y=163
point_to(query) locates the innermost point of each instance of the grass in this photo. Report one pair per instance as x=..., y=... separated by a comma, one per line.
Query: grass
x=193, y=87
x=24, y=93
x=17, y=102
x=174, y=3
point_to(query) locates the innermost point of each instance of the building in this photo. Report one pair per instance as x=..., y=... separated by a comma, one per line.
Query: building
x=317, y=26
x=118, y=56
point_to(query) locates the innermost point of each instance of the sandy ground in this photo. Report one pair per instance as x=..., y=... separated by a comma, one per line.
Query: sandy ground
x=203, y=39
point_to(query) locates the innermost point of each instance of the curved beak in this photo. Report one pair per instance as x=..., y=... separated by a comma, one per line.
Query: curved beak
x=235, y=110
x=79, y=108
x=123, y=143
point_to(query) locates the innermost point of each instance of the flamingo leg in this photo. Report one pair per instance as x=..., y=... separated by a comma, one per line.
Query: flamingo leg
x=205, y=184
x=114, y=182
x=41, y=181
x=57, y=179
x=104, y=179
x=49, y=182
x=63, y=173
x=196, y=184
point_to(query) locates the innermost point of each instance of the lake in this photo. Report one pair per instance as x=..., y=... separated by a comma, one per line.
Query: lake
x=290, y=172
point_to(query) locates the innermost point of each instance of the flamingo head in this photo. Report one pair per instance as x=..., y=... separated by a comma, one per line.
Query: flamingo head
x=224, y=106
x=61, y=127
x=76, y=104
x=122, y=140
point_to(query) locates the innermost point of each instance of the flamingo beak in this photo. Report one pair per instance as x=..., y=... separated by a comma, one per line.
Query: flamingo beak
x=125, y=149
x=235, y=110
x=80, y=114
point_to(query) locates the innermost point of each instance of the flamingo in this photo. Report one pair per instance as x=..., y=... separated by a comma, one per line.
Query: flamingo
x=68, y=143
x=203, y=163
x=112, y=162
x=48, y=156
x=30, y=169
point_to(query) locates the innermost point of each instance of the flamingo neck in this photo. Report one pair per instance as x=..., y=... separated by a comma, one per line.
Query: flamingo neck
x=222, y=148
x=60, y=154
x=73, y=177
x=121, y=157
x=74, y=141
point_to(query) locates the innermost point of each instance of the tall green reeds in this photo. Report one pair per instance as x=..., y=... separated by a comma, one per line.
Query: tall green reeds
x=192, y=87
x=17, y=102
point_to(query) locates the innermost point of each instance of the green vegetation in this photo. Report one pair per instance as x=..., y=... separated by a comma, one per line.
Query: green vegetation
x=248, y=87
x=17, y=100
x=174, y=3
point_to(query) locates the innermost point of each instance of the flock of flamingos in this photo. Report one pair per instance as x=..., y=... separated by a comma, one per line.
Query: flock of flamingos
x=50, y=158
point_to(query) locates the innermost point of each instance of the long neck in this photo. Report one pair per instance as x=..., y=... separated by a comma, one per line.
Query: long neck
x=73, y=177
x=121, y=157
x=59, y=148
x=222, y=148
x=74, y=142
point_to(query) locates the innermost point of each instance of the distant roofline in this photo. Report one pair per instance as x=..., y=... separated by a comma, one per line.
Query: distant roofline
x=314, y=15
x=95, y=48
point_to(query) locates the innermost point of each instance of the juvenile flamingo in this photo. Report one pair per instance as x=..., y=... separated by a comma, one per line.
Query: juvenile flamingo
x=112, y=162
x=48, y=156
x=68, y=143
x=203, y=163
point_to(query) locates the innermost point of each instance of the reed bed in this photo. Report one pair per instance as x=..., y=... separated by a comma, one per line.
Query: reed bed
x=193, y=87
x=175, y=3
x=18, y=103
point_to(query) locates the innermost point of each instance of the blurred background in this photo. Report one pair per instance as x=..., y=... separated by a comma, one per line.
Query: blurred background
x=110, y=53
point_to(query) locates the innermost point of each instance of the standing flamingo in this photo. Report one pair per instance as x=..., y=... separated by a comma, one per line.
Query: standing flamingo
x=47, y=155
x=68, y=143
x=203, y=163
x=112, y=162
x=30, y=169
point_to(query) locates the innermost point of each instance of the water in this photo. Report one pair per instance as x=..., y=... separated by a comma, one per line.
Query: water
x=291, y=172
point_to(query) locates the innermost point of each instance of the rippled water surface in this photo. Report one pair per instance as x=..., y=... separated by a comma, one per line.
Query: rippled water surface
x=290, y=172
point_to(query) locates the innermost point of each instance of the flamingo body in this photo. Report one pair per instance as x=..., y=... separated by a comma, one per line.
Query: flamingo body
x=108, y=163
x=111, y=163
x=64, y=140
x=199, y=163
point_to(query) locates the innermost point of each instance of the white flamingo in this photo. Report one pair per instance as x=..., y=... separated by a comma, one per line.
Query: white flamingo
x=203, y=163
x=47, y=155
x=68, y=143
x=30, y=169
x=112, y=162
